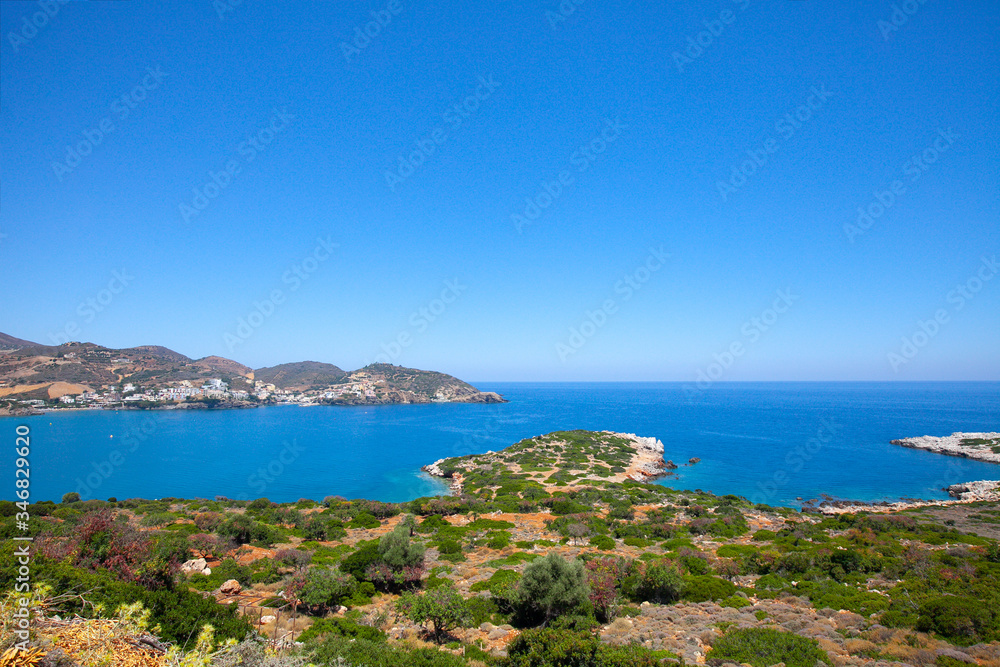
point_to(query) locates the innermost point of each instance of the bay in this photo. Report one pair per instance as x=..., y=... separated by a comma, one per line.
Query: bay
x=770, y=442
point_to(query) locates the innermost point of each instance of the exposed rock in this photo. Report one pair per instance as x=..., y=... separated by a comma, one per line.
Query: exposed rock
x=231, y=587
x=981, y=490
x=196, y=566
x=977, y=446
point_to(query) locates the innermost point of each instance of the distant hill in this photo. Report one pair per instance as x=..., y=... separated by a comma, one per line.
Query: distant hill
x=11, y=343
x=300, y=375
x=223, y=366
x=31, y=370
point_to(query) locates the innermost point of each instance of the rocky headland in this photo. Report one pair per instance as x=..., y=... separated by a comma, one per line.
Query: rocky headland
x=561, y=459
x=978, y=446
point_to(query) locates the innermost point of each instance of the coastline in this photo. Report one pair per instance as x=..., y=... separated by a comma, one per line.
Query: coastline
x=242, y=405
x=977, y=446
x=962, y=494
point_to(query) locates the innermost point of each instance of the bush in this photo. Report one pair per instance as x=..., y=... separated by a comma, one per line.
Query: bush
x=603, y=542
x=660, y=582
x=244, y=530
x=502, y=585
x=552, y=647
x=443, y=607
x=364, y=520
x=960, y=619
x=704, y=588
x=762, y=647
x=498, y=539
x=341, y=627
x=398, y=552
x=551, y=586
x=324, y=588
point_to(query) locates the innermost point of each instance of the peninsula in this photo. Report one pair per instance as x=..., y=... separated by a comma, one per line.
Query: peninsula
x=978, y=446
x=562, y=459
x=75, y=375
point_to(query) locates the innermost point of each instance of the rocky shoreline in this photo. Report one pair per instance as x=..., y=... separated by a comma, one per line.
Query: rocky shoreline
x=963, y=494
x=647, y=462
x=978, y=446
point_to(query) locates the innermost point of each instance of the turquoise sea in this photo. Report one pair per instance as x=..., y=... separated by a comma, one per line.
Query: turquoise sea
x=770, y=442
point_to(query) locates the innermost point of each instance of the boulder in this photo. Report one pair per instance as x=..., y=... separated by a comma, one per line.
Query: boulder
x=231, y=587
x=195, y=565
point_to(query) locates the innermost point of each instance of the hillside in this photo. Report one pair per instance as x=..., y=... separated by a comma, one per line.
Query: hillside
x=11, y=343
x=154, y=374
x=300, y=375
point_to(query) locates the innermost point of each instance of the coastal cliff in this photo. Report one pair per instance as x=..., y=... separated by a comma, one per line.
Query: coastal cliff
x=978, y=446
x=558, y=460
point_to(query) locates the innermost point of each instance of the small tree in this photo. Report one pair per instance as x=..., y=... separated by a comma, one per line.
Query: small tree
x=551, y=586
x=661, y=582
x=577, y=531
x=443, y=607
x=324, y=588
x=398, y=552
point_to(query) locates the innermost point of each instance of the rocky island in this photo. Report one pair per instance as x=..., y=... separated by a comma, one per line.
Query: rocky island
x=560, y=459
x=978, y=446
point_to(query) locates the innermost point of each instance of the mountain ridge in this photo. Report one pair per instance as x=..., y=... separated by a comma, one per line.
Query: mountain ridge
x=48, y=372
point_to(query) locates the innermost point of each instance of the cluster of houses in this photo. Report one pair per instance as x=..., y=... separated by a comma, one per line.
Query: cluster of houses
x=212, y=388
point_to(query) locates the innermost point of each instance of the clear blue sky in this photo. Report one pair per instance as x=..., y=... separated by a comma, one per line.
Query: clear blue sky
x=180, y=90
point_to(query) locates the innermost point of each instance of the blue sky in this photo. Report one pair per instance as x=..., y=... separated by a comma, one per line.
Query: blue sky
x=627, y=126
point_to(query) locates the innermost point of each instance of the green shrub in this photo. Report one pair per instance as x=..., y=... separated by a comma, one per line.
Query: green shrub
x=603, y=542
x=443, y=607
x=498, y=539
x=703, y=588
x=736, y=602
x=659, y=582
x=341, y=627
x=962, y=620
x=762, y=647
x=364, y=520
x=551, y=586
x=325, y=588
x=557, y=647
